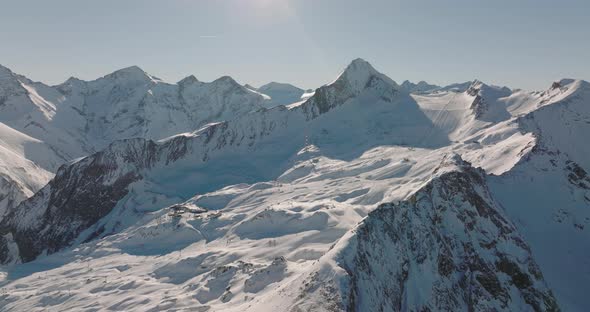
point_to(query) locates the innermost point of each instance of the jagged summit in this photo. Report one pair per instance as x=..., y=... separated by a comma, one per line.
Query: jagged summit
x=359, y=79
x=486, y=105
x=454, y=161
x=564, y=88
x=357, y=74
x=478, y=86
x=475, y=86
x=421, y=86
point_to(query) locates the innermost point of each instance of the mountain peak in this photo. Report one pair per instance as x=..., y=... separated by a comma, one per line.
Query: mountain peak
x=70, y=83
x=360, y=62
x=133, y=69
x=191, y=79
x=570, y=83
x=10, y=79
x=7, y=74
x=478, y=87
x=359, y=67
x=452, y=162
x=73, y=79
x=226, y=80
x=133, y=73
x=359, y=72
x=279, y=86
x=5, y=70
x=421, y=86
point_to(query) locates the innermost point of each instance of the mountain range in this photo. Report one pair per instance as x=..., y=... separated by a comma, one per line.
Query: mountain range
x=130, y=193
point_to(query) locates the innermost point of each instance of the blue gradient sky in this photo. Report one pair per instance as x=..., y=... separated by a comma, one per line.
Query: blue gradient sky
x=519, y=43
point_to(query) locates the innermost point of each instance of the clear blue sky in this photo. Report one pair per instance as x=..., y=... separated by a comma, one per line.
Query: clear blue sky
x=519, y=43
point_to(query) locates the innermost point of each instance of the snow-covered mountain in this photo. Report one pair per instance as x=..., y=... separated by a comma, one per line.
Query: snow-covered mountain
x=51, y=125
x=447, y=247
x=280, y=93
x=420, y=87
x=364, y=197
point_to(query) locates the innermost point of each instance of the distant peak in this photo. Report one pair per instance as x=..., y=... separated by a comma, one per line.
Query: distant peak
x=279, y=86
x=570, y=84
x=478, y=87
x=477, y=83
x=275, y=84
x=226, y=80
x=73, y=79
x=191, y=79
x=566, y=82
x=421, y=86
x=131, y=73
x=134, y=69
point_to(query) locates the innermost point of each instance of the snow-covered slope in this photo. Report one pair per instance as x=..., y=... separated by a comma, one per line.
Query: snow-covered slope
x=448, y=247
x=358, y=198
x=552, y=198
x=547, y=197
x=263, y=142
x=20, y=175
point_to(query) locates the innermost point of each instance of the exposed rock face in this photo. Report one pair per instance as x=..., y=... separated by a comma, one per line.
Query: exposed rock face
x=56, y=124
x=448, y=247
x=11, y=193
x=357, y=78
x=482, y=107
x=78, y=196
x=86, y=191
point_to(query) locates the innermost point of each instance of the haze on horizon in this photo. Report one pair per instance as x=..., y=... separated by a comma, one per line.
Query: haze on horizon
x=521, y=44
